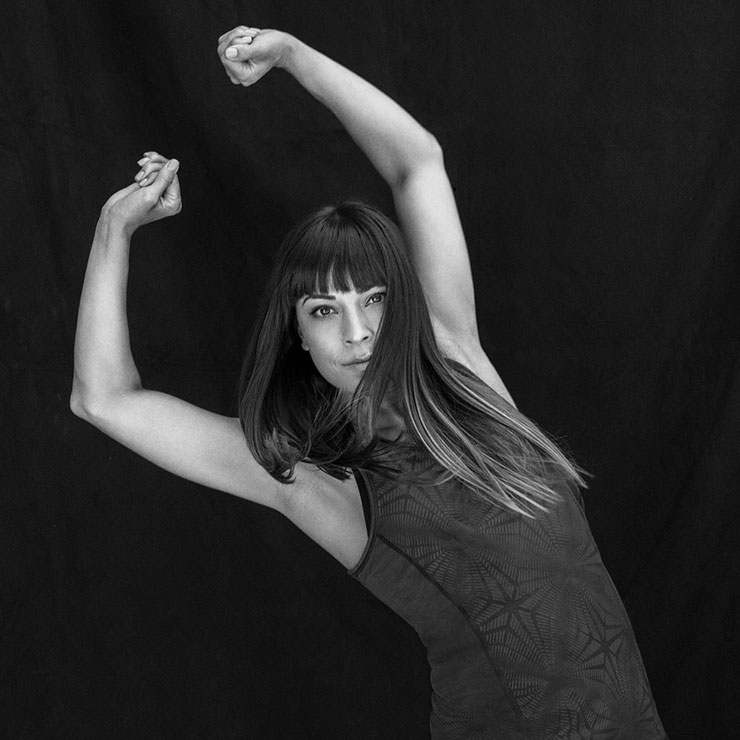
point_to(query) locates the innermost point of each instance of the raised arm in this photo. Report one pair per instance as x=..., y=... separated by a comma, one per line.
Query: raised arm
x=408, y=158
x=107, y=391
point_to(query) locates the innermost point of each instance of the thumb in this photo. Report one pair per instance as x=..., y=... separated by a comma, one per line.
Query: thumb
x=165, y=177
x=238, y=52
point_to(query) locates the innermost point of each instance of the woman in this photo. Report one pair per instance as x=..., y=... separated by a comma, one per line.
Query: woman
x=377, y=424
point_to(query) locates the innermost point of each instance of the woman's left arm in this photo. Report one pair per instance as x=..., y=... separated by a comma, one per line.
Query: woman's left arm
x=408, y=158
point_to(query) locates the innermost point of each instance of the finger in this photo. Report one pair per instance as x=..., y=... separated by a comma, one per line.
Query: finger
x=225, y=45
x=226, y=39
x=238, y=31
x=151, y=162
x=147, y=158
x=171, y=197
x=230, y=33
x=165, y=181
x=155, y=156
x=245, y=35
x=146, y=174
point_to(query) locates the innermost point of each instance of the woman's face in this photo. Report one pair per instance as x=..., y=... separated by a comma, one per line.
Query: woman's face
x=338, y=329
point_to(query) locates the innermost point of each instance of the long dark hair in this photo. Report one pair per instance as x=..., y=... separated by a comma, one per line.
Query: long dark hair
x=289, y=413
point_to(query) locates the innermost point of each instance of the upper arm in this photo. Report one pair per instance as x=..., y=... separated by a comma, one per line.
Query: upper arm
x=427, y=212
x=431, y=226
x=474, y=357
x=210, y=449
x=196, y=444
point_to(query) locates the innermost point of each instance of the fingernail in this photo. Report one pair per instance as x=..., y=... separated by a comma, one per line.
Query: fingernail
x=143, y=161
x=139, y=175
x=173, y=164
x=231, y=52
x=143, y=181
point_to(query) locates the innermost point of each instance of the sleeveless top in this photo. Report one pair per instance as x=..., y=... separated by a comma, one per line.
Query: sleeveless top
x=525, y=633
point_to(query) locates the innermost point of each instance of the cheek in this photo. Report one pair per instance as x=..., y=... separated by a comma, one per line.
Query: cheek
x=328, y=370
x=314, y=340
x=319, y=337
x=304, y=334
x=321, y=351
x=324, y=362
x=319, y=348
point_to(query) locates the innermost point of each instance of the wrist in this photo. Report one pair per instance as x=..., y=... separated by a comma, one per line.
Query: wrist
x=287, y=58
x=111, y=225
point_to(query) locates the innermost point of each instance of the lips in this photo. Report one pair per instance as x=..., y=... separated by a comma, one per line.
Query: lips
x=359, y=360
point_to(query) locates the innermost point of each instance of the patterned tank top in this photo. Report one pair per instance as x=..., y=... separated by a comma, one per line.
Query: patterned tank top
x=525, y=633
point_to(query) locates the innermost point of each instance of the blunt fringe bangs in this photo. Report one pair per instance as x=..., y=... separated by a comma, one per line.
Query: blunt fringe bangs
x=340, y=247
x=290, y=414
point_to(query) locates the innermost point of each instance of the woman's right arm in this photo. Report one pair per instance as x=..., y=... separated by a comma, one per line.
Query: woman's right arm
x=189, y=441
x=407, y=157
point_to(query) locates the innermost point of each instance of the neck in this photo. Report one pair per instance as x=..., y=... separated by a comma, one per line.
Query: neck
x=389, y=422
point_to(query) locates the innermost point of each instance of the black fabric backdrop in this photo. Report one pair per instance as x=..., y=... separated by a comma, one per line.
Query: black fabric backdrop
x=595, y=154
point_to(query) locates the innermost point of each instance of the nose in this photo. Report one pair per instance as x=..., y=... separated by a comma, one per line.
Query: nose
x=357, y=328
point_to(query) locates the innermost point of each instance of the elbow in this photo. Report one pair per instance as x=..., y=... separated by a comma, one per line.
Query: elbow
x=77, y=398
x=431, y=151
x=433, y=148
x=76, y=405
x=427, y=153
x=99, y=407
x=86, y=405
x=80, y=404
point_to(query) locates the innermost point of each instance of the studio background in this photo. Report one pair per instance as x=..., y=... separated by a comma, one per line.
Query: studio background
x=594, y=149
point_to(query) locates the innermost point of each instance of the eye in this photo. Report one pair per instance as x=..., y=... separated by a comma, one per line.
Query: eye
x=322, y=311
x=376, y=298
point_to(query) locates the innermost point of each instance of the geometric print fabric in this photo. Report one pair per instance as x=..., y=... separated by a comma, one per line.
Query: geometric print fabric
x=525, y=632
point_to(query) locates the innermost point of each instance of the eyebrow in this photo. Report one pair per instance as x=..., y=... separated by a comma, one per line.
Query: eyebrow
x=329, y=297
x=320, y=296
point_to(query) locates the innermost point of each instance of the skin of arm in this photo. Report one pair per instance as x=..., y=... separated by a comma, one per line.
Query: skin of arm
x=208, y=448
x=188, y=441
x=407, y=157
x=107, y=391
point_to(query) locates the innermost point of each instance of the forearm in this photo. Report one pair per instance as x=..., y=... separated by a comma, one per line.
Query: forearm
x=104, y=365
x=393, y=140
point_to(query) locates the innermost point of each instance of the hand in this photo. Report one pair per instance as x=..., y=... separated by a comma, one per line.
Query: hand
x=250, y=53
x=154, y=195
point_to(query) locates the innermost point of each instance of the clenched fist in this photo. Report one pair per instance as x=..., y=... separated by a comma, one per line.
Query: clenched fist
x=155, y=194
x=249, y=53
